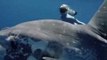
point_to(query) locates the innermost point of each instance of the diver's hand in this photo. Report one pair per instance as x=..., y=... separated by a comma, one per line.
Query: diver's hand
x=49, y=58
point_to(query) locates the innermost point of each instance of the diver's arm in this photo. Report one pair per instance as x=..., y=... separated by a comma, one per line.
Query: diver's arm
x=79, y=22
x=72, y=12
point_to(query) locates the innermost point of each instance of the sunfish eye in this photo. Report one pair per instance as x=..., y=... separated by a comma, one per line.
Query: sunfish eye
x=12, y=34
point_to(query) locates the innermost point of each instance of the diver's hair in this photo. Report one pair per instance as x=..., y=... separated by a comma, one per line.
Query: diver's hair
x=63, y=10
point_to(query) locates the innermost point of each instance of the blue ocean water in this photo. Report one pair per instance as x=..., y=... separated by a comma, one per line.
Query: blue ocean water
x=13, y=12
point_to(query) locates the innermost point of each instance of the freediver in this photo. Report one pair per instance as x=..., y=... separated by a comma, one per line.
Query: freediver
x=68, y=15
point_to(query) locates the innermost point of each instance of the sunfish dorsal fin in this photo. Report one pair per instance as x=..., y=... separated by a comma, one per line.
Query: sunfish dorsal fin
x=99, y=21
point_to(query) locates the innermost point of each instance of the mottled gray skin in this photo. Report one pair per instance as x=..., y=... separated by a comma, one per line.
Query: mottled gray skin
x=85, y=42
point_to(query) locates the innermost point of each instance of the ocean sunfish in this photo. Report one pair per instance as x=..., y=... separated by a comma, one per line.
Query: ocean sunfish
x=60, y=35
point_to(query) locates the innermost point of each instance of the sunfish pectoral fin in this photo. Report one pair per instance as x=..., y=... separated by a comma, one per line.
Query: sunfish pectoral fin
x=2, y=52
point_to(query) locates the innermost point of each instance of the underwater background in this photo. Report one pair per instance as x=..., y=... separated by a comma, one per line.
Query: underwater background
x=13, y=12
